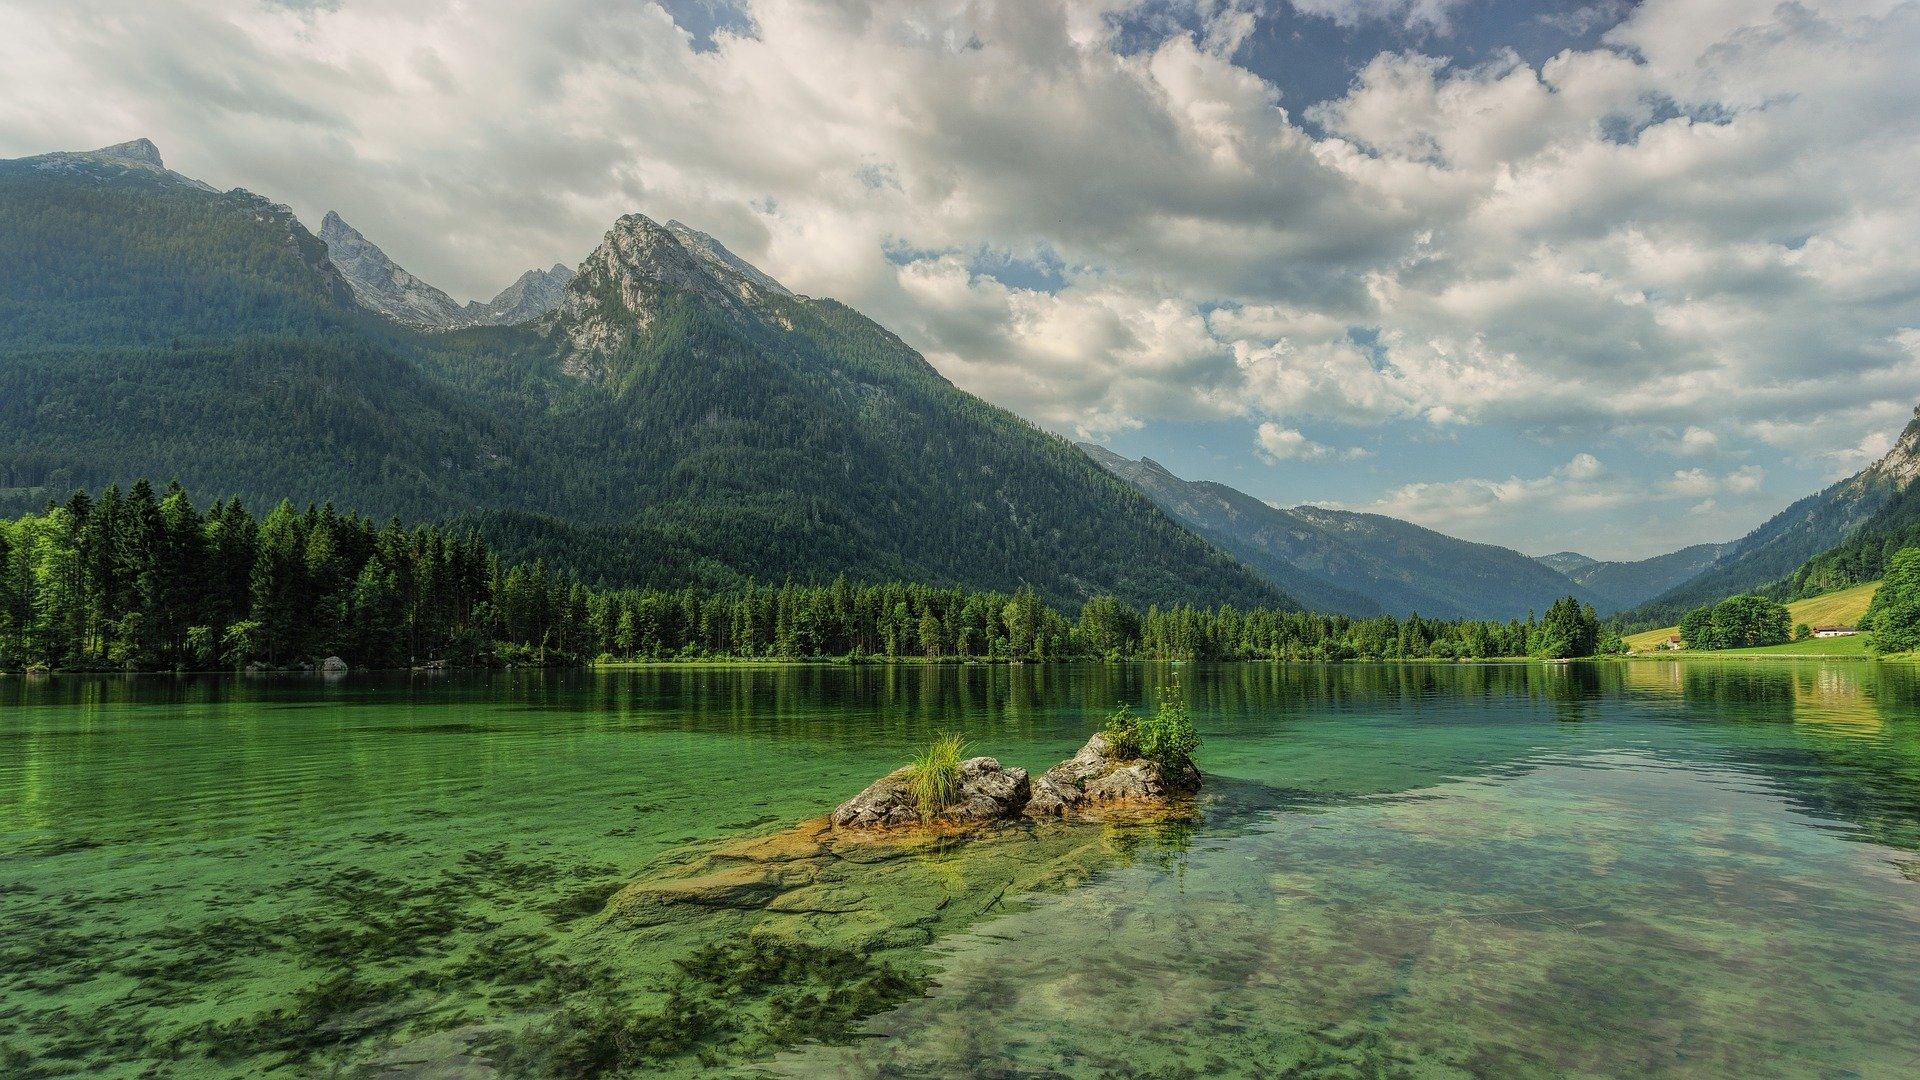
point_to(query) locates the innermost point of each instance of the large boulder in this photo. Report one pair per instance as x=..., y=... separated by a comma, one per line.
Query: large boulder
x=884, y=804
x=986, y=791
x=1098, y=774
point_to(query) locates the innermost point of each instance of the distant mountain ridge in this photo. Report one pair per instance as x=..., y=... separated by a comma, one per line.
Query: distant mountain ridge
x=1624, y=584
x=1352, y=563
x=673, y=416
x=383, y=286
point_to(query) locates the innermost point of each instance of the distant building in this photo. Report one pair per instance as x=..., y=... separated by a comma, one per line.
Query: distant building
x=1835, y=631
x=1672, y=642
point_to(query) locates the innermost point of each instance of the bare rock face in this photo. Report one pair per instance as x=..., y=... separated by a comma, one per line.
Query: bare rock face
x=987, y=791
x=1097, y=775
x=886, y=803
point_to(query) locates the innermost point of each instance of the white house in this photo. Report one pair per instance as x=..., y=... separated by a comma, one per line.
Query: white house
x=1834, y=631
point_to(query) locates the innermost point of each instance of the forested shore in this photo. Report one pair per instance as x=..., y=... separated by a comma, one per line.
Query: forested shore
x=147, y=581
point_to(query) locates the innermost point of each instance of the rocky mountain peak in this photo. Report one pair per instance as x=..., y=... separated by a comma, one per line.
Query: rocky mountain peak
x=133, y=152
x=532, y=295
x=138, y=158
x=716, y=255
x=383, y=285
x=1901, y=464
x=619, y=290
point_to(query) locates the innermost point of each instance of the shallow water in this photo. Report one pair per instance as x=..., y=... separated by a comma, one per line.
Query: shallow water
x=1645, y=868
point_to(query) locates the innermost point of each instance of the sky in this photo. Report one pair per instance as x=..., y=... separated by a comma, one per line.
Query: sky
x=1608, y=277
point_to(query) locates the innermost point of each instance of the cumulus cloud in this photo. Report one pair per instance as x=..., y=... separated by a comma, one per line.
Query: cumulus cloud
x=1711, y=215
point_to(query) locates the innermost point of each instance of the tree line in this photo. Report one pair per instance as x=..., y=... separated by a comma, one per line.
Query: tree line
x=145, y=580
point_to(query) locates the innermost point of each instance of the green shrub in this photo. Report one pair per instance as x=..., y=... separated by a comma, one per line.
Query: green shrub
x=1122, y=730
x=1167, y=737
x=933, y=776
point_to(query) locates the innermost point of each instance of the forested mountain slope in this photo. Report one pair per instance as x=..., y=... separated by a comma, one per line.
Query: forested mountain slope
x=152, y=326
x=677, y=418
x=1774, y=552
x=1353, y=562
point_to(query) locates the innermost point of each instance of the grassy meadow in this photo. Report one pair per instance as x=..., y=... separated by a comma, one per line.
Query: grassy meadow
x=1842, y=608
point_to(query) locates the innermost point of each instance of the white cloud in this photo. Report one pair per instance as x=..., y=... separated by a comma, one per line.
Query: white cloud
x=1434, y=15
x=1287, y=444
x=1611, y=512
x=1698, y=440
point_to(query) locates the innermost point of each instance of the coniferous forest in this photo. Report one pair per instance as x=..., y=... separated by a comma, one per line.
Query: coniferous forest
x=147, y=580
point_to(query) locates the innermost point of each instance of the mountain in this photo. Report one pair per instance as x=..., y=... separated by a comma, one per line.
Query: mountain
x=152, y=326
x=677, y=418
x=1624, y=584
x=722, y=261
x=1566, y=562
x=383, y=286
x=1777, y=550
x=532, y=295
x=1337, y=560
x=1246, y=528
x=1863, y=555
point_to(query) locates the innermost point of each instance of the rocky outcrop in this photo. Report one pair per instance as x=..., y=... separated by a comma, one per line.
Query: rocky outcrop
x=1097, y=777
x=641, y=267
x=379, y=284
x=534, y=294
x=987, y=791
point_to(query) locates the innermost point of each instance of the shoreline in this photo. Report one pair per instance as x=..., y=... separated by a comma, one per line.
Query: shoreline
x=905, y=662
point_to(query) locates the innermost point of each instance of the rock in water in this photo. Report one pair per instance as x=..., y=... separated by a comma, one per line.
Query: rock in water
x=987, y=791
x=886, y=803
x=1096, y=775
x=333, y=665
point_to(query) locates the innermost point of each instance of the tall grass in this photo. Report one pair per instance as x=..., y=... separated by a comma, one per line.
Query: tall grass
x=933, y=777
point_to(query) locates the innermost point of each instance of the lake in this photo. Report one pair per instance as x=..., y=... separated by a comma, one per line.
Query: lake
x=1635, y=868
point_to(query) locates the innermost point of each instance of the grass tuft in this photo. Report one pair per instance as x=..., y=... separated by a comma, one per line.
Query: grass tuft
x=934, y=774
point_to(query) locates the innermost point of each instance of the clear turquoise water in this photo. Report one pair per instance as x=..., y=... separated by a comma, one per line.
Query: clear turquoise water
x=1649, y=868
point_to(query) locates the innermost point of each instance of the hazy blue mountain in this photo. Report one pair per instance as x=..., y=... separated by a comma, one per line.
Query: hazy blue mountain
x=1360, y=562
x=1624, y=584
x=1567, y=562
x=677, y=417
x=1241, y=525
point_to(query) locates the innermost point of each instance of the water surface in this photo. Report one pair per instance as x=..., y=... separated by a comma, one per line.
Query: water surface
x=1634, y=868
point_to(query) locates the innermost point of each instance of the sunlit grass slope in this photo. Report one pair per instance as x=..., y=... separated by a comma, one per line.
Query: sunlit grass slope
x=1843, y=608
